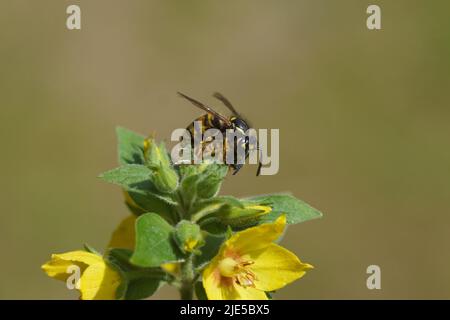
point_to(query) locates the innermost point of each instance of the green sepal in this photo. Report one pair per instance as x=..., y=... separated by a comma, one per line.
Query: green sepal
x=91, y=249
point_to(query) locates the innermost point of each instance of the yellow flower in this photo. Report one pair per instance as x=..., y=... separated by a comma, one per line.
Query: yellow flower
x=249, y=264
x=97, y=280
x=174, y=268
x=124, y=235
x=190, y=244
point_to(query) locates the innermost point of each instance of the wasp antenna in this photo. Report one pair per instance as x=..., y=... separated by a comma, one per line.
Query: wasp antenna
x=194, y=102
x=181, y=94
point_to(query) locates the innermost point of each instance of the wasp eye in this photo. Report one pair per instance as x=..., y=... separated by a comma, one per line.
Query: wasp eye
x=239, y=123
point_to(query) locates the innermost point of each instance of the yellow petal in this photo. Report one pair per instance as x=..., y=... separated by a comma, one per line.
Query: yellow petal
x=237, y=292
x=249, y=293
x=124, y=235
x=99, y=282
x=211, y=280
x=190, y=244
x=79, y=256
x=57, y=266
x=256, y=238
x=275, y=267
x=171, y=267
x=57, y=269
x=263, y=209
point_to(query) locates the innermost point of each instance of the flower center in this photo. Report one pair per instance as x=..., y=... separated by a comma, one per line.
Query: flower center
x=238, y=270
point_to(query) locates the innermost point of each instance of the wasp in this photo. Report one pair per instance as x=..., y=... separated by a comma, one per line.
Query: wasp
x=213, y=119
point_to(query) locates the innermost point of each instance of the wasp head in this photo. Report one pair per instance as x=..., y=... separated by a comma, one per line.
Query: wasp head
x=239, y=124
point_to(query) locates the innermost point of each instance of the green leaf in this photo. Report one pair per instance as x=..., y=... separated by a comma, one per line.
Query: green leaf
x=121, y=290
x=136, y=178
x=151, y=203
x=213, y=225
x=129, y=176
x=130, y=146
x=200, y=291
x=141, y=288
x=200, y=182
x=119, y=257
x=154, y=244
x=296, y=210
x=139, y=283
x=211, y=180
x=188, y=190
x=187, y=170
x=165, y=178
x=210, y=248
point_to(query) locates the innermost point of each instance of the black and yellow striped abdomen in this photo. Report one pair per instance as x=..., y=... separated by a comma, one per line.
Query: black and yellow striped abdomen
x=207, y=121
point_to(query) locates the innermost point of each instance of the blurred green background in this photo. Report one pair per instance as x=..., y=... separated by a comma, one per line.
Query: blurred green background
x=363, y=115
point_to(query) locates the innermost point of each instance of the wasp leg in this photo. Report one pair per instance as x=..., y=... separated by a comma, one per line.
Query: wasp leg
x=258, y=171
x=237, y=168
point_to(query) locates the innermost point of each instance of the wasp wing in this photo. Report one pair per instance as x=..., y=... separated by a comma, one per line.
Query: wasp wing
x=206, y=108
x=226, y=102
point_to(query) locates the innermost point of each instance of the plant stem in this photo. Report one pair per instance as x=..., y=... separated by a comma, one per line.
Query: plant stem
x=187, y=279
x=181, y=210
x=187, y=291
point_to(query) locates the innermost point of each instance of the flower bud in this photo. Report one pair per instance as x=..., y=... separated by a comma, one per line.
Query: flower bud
x=188, y=236
x=156, y=157
x=242, y=217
